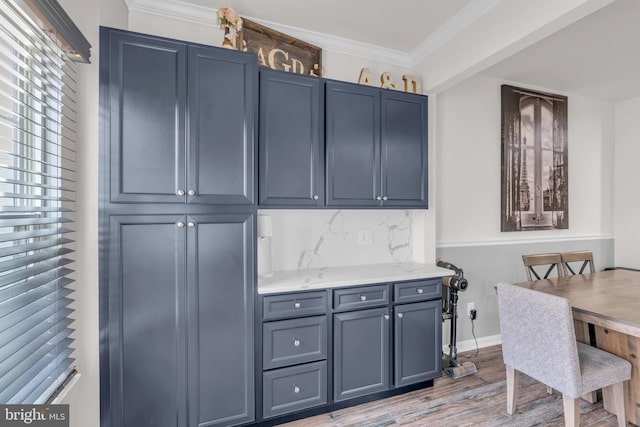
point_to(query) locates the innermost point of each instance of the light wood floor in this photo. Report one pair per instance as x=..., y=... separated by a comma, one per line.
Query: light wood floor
x=477, y=400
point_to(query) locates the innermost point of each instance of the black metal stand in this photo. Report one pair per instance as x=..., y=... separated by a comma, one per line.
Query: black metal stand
x=453, y=284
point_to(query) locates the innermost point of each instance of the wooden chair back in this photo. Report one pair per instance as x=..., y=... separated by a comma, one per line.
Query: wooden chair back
x=585, y=258
x=551, y=261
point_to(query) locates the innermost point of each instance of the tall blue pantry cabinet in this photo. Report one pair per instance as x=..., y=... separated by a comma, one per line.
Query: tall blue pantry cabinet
x=177, y=232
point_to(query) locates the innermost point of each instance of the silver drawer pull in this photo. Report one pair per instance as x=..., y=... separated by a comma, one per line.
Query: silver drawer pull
x=180, y=192
x=400, y=315
x=297, y=305
x=363, y=297
x=420, y=290
x=180, y=224
x=386, y=317
x=316, y=197
x=296, y=389
x=296, y=342
x=378, y=198
x=191, y=193
x=385, y=198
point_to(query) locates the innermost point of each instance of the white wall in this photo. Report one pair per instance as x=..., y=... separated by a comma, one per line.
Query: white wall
x=468, y=147
x=84, y=396
x=626, y=178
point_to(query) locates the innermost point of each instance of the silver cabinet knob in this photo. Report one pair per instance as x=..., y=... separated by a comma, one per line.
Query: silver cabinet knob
x=400, y=315
x=191, y=193
x=297, y=305
x=296, y=389
x=316, y=197
x=363, y=297
x=385, y=198
x=296, y=342
x=378, y=198
x=180, y=224
x=191, y=224
x=180, y=192
x=386, y=317
x=420, y=290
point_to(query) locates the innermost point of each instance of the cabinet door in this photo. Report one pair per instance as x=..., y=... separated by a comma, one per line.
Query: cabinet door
x=360, y=353
x=352, y=144
x=291, y=140
x=404, y=149
x=145, y=379
x=223, y=89
x=220, y=276
x=145, y=98
x=418, y=342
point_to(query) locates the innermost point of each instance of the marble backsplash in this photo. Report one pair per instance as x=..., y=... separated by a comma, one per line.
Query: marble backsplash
x=305, y=239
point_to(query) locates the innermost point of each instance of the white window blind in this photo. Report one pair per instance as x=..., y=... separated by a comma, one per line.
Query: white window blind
x=37, y=183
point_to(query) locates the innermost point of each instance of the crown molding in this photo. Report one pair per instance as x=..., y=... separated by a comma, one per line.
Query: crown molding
x=460, y=21
x=343, y=45
x=176, y=9
x=192, y=13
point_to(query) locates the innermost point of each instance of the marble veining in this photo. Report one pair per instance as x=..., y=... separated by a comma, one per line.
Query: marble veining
x=306, y=240
x=399, y=236
x=333, y=277
x=335, y=227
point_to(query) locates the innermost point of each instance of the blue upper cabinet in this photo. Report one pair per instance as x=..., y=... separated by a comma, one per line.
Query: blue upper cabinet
x=222, y=105
x=182, y=121
x=291, y=147
x=376, y=147
x=146, y=106
x=353, y=145
x=403, y=151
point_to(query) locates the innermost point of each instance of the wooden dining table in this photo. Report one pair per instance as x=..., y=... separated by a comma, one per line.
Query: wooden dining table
x=609, y=300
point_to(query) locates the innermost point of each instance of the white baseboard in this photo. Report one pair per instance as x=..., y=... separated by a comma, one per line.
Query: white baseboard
x=469, y=345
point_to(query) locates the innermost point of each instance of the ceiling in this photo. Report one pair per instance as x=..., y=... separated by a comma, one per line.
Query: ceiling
x=402, y=26
x=596, y=56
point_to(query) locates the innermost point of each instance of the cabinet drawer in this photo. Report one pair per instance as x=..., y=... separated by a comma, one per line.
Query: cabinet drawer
x=355, y=298
x=294, y=305
x=292, y=389
x=419, y=290
x=289, y=342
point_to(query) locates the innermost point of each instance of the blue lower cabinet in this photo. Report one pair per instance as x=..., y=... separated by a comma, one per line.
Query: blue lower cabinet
x=335, y=346
x=417, y=342
x=360, y=353
x=178, y=325
x=294, y=388
x=295, y=341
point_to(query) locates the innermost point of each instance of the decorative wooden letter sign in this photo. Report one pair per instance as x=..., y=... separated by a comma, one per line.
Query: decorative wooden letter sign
x=279, y=51
x=411, y=83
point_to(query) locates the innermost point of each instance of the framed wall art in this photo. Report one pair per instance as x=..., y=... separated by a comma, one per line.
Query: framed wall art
x=535, y=188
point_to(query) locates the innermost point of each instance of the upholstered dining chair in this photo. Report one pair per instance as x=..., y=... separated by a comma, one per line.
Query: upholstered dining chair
x=549, y=261
x=579, y=260
x=538, y=340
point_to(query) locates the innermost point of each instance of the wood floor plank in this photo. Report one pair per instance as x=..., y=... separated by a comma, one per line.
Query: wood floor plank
x=476, y=400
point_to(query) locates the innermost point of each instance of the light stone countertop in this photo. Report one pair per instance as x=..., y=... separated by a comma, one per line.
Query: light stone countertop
x=335, y=277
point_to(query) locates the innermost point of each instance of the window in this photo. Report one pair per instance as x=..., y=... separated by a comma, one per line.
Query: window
x=37, y=182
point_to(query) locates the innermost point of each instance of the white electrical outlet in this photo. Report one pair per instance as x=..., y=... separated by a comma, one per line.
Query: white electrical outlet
x=470, y=306
x=365, y=237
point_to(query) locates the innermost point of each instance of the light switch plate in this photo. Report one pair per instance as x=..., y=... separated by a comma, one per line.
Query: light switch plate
x=365, y=237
